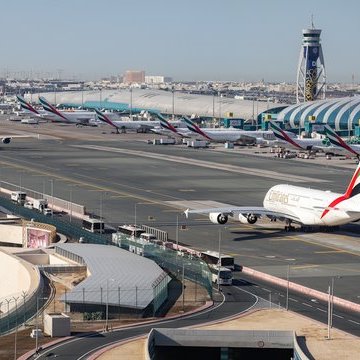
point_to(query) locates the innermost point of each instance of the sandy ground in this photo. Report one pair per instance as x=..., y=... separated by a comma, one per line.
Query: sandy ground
x=341, y=345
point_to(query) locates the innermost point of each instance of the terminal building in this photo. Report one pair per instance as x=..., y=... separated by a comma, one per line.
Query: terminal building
x=341, y=114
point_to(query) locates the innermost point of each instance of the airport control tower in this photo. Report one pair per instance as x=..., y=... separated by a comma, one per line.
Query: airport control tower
x=311, y=76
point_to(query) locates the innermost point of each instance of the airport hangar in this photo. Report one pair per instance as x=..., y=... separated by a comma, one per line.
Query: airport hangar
x=205, y=106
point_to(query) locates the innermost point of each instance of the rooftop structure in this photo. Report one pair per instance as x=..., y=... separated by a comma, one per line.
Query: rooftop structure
x=162, y=101
x=112, y=271
x=340, y=114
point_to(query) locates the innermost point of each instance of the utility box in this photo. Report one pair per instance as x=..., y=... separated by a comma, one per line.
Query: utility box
x=57, y=325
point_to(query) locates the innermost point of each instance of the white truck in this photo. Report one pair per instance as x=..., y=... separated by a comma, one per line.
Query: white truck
x=40, y=204
x=18, y=197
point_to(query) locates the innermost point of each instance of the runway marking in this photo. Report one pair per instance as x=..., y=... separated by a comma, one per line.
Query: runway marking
x=354, y=322
x=329, y=251
x=307, y=305
x=187, y=190
x=206, y=164
x=303, y=267
x=341, y=317
x=266, y=290
x=321, y=310
x=293, y=299
x=118, y=196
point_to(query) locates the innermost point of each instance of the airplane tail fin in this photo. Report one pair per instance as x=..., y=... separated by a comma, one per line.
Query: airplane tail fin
x=282, y=135
x=354, y=185
x=50, y=108
x=25, y=105
x=194, y=128
x=165, y=124
x=336, y=140
x=104, y=118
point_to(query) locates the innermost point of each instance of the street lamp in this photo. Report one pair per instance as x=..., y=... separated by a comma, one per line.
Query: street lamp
x=173, y=103
x=219, y=264
x=16, y=326
x=131, y=103
x=37, y=323
x=287, y=287
x=52, y=196
x=107, y=304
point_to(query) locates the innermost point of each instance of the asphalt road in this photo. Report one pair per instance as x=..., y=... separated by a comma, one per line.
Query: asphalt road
x=234, y=300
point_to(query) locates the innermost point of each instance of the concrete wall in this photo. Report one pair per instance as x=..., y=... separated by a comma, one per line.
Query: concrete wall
x=17, y=276
x=11, y=234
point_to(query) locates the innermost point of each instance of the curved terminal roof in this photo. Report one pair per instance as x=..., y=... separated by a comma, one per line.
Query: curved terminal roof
x=112, y=269
x=158, y=100
x=340, y=113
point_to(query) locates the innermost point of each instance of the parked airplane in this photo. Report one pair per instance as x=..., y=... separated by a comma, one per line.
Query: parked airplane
x=337, y=141
x=285, y=140
x=78, y=117
x=295, y=204
x=229, y=135
x=27, y=107
x=170, y=128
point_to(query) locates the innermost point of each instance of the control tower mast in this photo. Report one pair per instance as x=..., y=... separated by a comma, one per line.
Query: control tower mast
x=311, y=76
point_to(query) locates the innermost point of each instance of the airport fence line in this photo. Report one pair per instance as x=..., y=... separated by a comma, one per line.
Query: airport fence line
x=69, y=229
x=24, y=307
x=52, y=200
x=182, y=266
x=120, y=300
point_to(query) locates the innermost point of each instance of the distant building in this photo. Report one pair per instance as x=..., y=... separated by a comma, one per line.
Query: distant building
x=157, y=79
x=133, y=76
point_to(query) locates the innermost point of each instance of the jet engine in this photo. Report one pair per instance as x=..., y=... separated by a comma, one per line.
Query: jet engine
x=6, y=140
x=248, y=218
x=218, y=218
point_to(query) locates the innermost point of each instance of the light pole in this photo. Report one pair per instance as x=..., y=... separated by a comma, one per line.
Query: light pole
x=135, y=219
x=219, y=264
x=107, y=304
x=173, y=103
x=16, y=326
x=71, y=202
x=287, y=287
x=213, y=106
x=37, y=324
x=332, y=299
x=219, y=108
x=329, y=313
x=52, y=196
x=131, y=103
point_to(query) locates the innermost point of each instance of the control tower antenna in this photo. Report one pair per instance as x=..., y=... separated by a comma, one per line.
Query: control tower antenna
x=311, y=75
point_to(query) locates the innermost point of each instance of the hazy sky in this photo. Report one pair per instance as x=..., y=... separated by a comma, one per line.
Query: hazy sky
x=185, y=39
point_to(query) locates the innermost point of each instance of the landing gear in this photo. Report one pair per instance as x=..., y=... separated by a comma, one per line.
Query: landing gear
x=288, y=226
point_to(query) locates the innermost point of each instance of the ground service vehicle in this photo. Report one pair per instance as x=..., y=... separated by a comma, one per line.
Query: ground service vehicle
x=131, y=230
x=93, y=225
x=40, y=204
x=221, y=275
x=212, y=259
x=18, y=197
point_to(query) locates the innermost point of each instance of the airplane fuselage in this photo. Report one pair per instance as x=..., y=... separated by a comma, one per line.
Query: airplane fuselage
x=311, y=206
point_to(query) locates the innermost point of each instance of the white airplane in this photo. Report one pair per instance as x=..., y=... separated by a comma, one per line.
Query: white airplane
x=155, y=126
x=284, y=140
x=337, y=141
x=171, y=128
x=78, y=117
x=229, y=135
x=49, y=112
x=295, y=204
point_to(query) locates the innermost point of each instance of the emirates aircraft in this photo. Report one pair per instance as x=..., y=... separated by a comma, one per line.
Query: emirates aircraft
x=229, y=135
x=295, y=204
x=49, y=112
x=78, y=117
x=284, y=140
x=337, y=141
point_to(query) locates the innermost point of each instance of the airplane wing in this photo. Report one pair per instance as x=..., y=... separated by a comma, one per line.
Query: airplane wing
x=243, y=210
